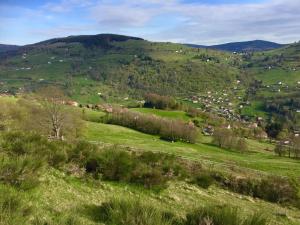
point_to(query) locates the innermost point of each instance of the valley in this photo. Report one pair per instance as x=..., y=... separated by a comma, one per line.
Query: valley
x=92, y=126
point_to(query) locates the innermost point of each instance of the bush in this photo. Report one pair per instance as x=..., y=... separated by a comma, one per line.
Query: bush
x=149, y=177
x=203, y=179
x=272, y=189
x=21, y=171
x=20, y=144
x=279, y=190
x=81, y=151
x=133, y=212
x=152, y=170
x=116, y=165
x=222, y=215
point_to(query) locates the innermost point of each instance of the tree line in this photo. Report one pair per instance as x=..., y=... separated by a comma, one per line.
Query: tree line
x=171, y=130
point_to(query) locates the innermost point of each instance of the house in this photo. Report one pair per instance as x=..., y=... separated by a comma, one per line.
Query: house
x=208, y=130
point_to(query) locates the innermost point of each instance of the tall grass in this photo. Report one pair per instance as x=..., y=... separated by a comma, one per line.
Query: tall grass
x=222, y=215
x=133, y=212
x=12, y=210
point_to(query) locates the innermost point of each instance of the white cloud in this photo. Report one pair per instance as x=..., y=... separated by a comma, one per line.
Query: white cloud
x=66, y=5
x=277, y=20
x=168, y=20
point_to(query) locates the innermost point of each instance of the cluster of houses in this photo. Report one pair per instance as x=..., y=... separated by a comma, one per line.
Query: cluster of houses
x=222, y=103
x=280, y=86
x=23, y=68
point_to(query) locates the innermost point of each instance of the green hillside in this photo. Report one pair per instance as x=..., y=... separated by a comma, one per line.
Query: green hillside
x=276, y=89
x=117, y=66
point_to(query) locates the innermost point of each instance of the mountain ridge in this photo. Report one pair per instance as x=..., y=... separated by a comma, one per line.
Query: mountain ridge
x=243, y=46
x=5, y=47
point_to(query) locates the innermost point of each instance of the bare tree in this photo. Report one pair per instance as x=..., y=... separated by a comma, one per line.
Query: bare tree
x=49, y=116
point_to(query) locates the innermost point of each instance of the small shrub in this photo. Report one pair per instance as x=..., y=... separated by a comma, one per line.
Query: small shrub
x=116, y=165
x=149, y=177
x=81, y=151
x=203, y=179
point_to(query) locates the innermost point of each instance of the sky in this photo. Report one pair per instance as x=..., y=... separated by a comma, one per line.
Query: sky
x=204, y=22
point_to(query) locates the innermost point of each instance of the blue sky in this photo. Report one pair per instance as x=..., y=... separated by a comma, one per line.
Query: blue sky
x=184, y=21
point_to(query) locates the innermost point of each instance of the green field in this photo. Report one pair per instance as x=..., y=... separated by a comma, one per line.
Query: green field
x=163, y=113
x=257, y=161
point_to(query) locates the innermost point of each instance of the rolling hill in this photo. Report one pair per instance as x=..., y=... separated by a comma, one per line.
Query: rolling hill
x=116, y=65
x=111, y=68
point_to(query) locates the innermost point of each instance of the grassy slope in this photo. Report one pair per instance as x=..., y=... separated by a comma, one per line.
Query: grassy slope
x=62, y=194
x=257, y=161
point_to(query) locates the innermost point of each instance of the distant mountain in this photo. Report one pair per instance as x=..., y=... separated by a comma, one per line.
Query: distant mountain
x=5, y=48
x=247, y=46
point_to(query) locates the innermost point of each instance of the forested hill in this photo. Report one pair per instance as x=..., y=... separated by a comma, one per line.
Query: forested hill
x=116, y=65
